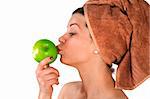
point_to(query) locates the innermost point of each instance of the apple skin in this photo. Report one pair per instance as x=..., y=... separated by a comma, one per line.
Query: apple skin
x=44, y=48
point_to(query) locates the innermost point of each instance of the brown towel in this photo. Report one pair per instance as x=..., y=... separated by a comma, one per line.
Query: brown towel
x=120, y=30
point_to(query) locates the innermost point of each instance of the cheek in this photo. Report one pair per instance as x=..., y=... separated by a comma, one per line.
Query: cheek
x=76, y=52
x=75, y=57
x=76, y=48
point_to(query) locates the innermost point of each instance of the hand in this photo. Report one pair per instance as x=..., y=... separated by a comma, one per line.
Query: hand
x=46, y=76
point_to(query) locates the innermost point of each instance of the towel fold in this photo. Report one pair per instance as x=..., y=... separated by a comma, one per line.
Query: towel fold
x=120, y=30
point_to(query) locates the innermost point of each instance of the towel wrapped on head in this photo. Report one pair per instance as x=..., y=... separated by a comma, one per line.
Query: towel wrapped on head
x=120, y=30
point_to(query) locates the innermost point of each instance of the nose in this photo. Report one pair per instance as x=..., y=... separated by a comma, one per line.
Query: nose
x=62, y=39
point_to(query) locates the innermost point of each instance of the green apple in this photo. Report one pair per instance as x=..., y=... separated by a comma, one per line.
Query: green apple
x=44, y=48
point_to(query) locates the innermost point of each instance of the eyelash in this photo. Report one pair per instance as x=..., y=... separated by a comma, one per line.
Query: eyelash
x=71, y=34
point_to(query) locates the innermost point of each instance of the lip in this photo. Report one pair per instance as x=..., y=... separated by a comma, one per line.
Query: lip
x=59, y=50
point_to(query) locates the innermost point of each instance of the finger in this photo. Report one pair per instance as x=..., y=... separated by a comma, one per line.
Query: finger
x=53, y=81
x=55, y=70
x=51, y=76
x=46, y=66
x=43, y=63
x=50, y=70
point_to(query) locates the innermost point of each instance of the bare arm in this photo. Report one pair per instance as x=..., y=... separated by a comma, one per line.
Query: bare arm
x=62, y=93
x=46, y=78
x=43, y=95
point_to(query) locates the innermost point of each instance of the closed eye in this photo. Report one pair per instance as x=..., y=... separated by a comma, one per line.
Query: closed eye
x=71, y=33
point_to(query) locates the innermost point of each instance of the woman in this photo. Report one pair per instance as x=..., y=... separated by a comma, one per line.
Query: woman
x=77, y=49
x=106, y=32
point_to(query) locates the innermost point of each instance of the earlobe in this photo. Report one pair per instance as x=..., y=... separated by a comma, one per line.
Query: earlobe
x=95, y=52
x=94, y=49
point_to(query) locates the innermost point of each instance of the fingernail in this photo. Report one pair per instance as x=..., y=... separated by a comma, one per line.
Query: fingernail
x=46, y=66
x=57, y=83
x=51, y=58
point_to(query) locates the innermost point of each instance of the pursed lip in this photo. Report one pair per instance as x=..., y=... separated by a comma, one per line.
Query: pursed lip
x=59, y=49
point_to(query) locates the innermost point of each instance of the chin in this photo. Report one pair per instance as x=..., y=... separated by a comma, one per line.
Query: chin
x=66, y=62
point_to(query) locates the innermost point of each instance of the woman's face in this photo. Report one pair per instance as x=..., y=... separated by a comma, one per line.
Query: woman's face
x=76, y=45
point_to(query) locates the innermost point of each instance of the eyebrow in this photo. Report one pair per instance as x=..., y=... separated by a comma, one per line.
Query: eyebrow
x=73, y=24
x=77, y=25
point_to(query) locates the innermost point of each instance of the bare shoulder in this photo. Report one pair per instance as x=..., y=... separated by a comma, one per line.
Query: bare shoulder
x=72, y=89
x=74, y=85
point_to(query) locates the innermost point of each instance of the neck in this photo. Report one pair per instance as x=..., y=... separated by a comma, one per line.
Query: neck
x=96, y=77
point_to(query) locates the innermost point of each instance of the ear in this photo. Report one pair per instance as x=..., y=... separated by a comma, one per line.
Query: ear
x=94, y=49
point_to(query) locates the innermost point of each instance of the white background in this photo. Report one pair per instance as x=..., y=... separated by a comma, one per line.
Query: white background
x=22, y=22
